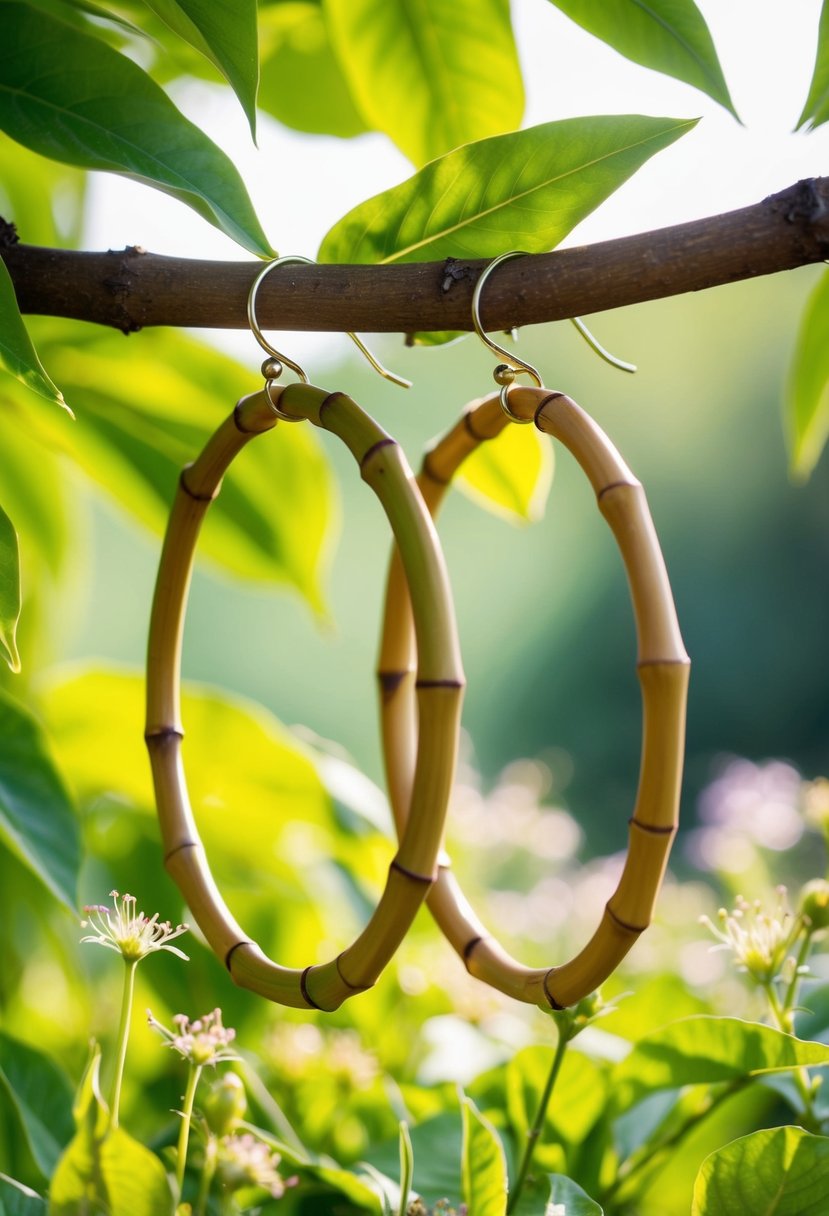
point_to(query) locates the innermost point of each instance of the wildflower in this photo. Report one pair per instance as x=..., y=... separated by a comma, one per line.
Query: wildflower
x=759, y=940
x=246, y=1161
x=130, y=933
x=204, y=1041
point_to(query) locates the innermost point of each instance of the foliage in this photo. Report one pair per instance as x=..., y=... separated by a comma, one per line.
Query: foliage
x=431, y=1094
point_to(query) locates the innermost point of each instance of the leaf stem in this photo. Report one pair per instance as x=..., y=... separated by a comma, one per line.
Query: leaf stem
x=123, y=1036
x=564, y=1036
x=184, y=1131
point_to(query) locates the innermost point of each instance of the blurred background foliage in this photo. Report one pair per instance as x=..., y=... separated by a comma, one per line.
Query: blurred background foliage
x=282, y=748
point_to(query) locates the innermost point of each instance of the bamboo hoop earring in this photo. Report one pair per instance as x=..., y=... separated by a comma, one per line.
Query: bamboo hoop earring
x=439, y=690
x=662, y=667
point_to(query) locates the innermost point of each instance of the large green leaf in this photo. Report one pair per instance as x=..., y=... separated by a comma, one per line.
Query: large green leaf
x=510, y=475
x=668, y=35
x=248, y=791
x=706, y=1050
x=483, y=1164
x=36, y=818
x=19, y=1200
x=225, y=31
x=438, y=1144
x=41, y=197
x=782, y=1170
x=9, y=591
x=147, y=406
x=525, y=190
x=70, y=97
x=103, y=1168
x=816, y=109
x=431, y=75
x=17, y=355
x=295, y=50
x=33, y=488
x=807, y=400
x=40, y=1097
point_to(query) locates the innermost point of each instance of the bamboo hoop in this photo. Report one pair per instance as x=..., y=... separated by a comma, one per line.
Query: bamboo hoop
x=439, y=685
x=663, y=668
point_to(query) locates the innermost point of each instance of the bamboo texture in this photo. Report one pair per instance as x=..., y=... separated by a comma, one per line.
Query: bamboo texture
x=439, y=681
x=662, y=667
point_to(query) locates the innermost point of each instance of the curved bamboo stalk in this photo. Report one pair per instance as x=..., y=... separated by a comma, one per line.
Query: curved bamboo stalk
x=439, y=682
x=662, y=667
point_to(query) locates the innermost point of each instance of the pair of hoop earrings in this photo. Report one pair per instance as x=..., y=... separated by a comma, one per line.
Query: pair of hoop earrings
x=421, y=684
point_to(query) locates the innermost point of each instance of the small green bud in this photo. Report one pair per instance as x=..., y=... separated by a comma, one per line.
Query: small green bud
x=814, y=903
x=225, y=1104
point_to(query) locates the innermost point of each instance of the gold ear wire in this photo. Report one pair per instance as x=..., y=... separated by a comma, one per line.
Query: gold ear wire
x=505, y=373
x=273, y=373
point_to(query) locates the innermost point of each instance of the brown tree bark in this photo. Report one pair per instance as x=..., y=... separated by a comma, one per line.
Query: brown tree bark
x=130, y=288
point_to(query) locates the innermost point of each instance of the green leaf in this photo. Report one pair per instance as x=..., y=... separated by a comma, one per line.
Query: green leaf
x=17, y=355
x=226, y=32
x=525, y=190
x=782, y=1170
x=406, y=1167
x=816, y=109
x=807, y=399
x=437, y=1143
x=705, y=1050
x=669, y=36
x=43, y=198
x=104, y=1168
x=33, y=489
x=571, y=1197
x=483, y=1164
x=36, y=818
x=70, y=97
x=147, y=410
x=554, y=1194
x=430, y=75
x=19, y=1200
x=40, y=1096
x=9, y=591
x=295, y=49
x=510, y=475
x=255, y=787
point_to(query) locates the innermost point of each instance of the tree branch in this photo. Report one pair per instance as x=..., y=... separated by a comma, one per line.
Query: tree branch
x=130, y=289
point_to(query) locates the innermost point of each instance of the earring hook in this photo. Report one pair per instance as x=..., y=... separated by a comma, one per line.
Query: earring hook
x=505, y=373
x=295, y=367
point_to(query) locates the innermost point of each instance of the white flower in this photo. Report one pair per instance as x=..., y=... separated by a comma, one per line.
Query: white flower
x=759, y=940
x=130, y=933
x=204, y=1041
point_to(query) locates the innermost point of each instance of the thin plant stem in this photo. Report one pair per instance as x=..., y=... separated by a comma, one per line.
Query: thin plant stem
x=206, y=1180
x=123, y=1036
x=184, y=1131
x=535, y=1131
x=784, y=1017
